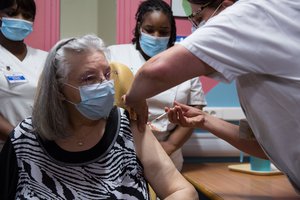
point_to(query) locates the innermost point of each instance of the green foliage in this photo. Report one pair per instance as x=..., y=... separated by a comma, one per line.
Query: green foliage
x=186, y=7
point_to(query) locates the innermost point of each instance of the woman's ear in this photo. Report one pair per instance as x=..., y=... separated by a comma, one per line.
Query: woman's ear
x=227, y=3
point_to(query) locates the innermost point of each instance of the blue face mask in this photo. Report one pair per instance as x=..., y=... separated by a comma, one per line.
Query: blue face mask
x=15, y=29
x=153, y=45
x=97, y=100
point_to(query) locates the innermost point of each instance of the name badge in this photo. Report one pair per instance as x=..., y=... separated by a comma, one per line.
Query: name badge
x=16, y=78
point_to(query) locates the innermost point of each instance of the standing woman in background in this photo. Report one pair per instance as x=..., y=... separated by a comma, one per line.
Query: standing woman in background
x=155, y=31
x=20, y=65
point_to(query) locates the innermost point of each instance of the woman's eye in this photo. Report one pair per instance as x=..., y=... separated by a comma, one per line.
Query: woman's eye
x=11, y=13
x=28, y=16
x=164, y=33
x=90, y=79
x=149, y=31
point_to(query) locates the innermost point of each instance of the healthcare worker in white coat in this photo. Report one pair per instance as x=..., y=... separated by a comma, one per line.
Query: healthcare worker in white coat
x=20, y=64
x=255, y=43
x=154, y=32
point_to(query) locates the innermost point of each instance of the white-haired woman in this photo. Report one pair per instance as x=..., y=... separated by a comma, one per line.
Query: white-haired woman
x=77, y=145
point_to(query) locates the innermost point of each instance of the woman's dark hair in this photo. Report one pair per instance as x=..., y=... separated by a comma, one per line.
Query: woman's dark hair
x=211, y=3
x=22, y=5
x=200, y=1
x=150, y=6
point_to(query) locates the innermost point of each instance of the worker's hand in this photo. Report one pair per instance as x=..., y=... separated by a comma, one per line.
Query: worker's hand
x=141, y=112
x=186, y=116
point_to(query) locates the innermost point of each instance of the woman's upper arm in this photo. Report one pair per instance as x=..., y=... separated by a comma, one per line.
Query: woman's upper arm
x=159, y=170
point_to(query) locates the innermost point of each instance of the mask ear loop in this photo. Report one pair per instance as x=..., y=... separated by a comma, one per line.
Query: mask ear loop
x=71, y=86
x=70, y=102
x=213, y=14
x=63, y=98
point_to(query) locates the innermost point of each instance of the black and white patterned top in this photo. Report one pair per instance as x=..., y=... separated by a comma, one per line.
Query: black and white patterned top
x=110, y=170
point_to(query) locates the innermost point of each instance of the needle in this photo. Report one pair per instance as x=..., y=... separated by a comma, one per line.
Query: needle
x=164, y=114
x=159, y=117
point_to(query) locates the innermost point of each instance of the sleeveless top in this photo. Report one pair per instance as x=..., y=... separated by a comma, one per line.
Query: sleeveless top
x=109, y=170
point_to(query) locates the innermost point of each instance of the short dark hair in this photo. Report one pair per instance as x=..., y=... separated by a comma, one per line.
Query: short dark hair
x=211, y=3
x=201, y=2
x=25, y=5
x=150, y=6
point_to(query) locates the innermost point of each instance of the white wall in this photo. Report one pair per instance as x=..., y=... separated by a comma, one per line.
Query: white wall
x=80, y=17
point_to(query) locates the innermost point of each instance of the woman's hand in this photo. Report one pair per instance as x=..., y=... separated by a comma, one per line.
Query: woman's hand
x=138, y=111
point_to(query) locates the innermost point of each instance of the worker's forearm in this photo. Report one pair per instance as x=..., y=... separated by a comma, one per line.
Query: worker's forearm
x=180, y=136
x=230, y=133
x=158, y=73
x=147, y=83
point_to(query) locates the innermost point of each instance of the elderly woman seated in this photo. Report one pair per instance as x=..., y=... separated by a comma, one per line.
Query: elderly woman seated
x=77, y=144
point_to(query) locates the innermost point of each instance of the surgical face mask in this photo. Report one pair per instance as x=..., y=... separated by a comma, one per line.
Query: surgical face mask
x=96, y=100
x=15, y=29
x=152, y=45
